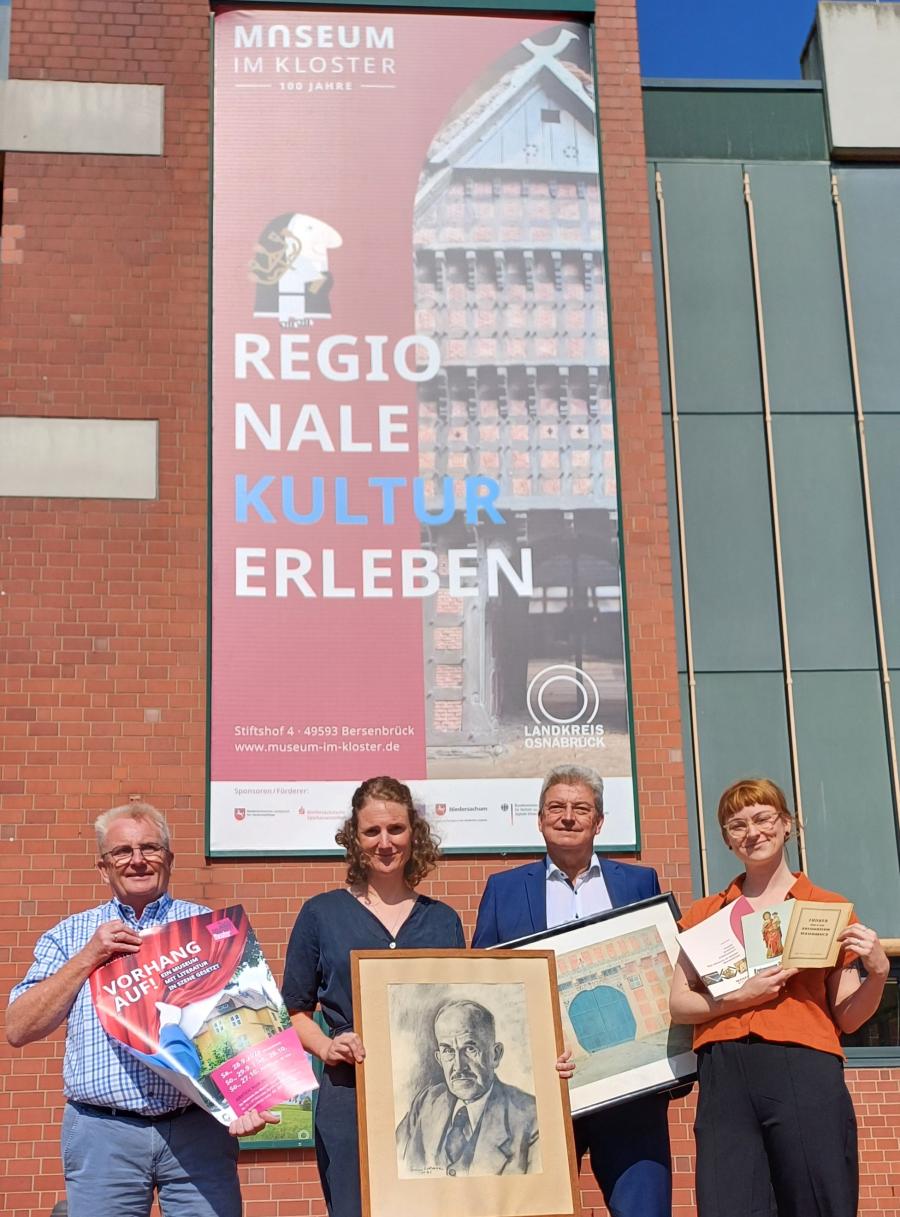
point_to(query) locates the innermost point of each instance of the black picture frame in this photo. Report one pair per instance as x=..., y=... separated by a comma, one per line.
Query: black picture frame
x=624, y=1042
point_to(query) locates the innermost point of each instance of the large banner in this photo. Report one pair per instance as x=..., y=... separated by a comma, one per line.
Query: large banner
x=415, y=522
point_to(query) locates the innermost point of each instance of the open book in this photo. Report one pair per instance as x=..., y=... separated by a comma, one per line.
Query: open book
x=198, y=1005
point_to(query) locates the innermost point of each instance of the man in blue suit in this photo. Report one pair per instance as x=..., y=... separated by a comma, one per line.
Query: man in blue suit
x=629, y=1143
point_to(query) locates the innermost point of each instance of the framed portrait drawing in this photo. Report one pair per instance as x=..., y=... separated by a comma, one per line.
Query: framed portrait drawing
x=461, y=1109
x=614, y=972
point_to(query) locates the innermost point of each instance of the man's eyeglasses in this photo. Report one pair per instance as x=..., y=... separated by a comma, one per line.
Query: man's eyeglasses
x=765, y=822
x=472, y=1051
x=150, y=851
x=579, y=810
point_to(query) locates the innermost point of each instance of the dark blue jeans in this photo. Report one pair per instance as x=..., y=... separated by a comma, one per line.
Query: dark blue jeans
x=630, y=1155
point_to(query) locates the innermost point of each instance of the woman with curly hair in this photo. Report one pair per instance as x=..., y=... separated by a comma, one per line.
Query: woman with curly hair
x=390, y=849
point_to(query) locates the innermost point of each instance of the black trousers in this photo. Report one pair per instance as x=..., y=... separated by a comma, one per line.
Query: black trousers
x=776, y=1132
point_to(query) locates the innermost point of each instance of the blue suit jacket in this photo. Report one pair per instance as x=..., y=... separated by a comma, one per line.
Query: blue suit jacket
x=514, y=903
x=629, y=1144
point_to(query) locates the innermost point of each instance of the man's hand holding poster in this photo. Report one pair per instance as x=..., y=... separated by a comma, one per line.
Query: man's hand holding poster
x=198, y=1005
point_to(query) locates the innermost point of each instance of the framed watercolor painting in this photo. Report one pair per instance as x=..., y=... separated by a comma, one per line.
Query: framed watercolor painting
x=614, y=974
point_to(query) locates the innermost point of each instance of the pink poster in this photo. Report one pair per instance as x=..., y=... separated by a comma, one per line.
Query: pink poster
x=197, y=1004
x=414, y=509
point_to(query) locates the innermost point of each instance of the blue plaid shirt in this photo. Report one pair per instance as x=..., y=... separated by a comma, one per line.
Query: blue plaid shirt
x=97, y=1069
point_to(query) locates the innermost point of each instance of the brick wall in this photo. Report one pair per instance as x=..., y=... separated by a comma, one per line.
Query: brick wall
x=642, y=480
x=103, y=304
x=103, y=315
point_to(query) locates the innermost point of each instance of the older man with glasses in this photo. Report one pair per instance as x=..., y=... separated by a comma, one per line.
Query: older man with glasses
x=126, y=1133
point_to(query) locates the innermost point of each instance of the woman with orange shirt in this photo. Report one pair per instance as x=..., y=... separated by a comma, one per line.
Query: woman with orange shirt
x=774, y=1114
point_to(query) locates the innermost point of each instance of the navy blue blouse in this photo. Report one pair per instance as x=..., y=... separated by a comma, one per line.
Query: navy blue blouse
x=330, y=926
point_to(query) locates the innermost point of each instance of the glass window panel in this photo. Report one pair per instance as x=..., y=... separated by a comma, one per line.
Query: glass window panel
x=690, y=789
x=674, y=547
x=799, y=268
x=713, y=318
x=743, y=733
x=883, y=445
x=871, y=202
x=731, y=567
x=779, y=122
x=851, y=839
x=883, y=1029
x=826, y=568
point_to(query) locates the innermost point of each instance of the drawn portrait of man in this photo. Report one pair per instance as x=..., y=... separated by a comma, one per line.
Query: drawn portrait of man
x=470, y=1122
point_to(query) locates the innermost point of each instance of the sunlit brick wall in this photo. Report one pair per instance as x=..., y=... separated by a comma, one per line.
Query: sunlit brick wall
x=104, y=305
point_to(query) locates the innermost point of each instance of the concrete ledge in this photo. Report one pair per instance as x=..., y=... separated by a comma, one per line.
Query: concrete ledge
x=78, y=458
x=856, y=48
x=65, y=116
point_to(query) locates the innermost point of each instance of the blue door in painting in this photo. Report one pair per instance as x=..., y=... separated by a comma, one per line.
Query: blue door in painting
x=601, y=1018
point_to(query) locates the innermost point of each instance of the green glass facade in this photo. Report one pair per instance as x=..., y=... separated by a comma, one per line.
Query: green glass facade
x=733, y=163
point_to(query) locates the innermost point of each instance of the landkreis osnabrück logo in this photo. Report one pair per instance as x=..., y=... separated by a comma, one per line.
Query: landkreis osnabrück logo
x=577, y=726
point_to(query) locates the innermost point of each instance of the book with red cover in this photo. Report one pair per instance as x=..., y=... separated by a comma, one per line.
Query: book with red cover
x=198, y=1005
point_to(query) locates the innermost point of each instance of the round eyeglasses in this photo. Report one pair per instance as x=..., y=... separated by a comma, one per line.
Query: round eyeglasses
x=150, y=851
x=764, y=822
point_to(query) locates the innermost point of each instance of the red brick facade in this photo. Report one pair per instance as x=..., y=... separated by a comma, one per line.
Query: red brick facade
x=104, y=314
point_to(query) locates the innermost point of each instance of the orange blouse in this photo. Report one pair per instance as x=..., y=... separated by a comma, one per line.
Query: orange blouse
x=800, y=1014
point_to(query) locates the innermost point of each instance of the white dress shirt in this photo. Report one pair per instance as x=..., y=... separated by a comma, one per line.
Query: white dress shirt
x=568, y=902
x=474, y=1109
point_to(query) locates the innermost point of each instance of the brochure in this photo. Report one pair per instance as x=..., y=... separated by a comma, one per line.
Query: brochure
x=737, y=942
x=812, y=936
x=198, y=1005
x=715, y=949
x=764, y=934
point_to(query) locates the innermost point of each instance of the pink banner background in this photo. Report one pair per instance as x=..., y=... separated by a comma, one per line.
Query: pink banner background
x=353, y=160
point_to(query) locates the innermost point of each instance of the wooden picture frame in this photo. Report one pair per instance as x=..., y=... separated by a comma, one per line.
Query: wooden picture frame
x=456, y=1031
x=617, y=967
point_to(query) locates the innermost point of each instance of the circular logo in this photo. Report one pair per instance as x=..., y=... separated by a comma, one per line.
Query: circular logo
x=588, y=696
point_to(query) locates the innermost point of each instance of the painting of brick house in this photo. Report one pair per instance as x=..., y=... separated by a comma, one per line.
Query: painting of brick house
x=510, y=282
